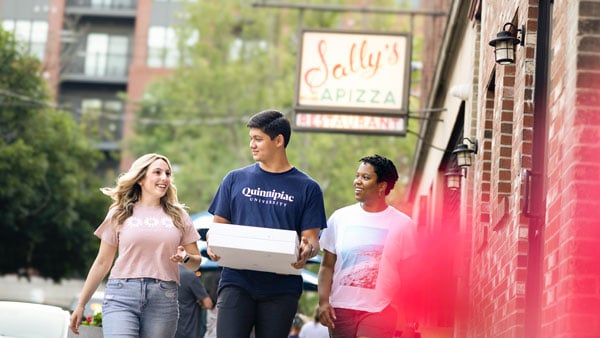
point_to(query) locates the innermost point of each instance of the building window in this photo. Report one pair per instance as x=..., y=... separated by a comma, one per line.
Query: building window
x=101, y=119
x=33, y=34
x=106, y=55
x=162, y=47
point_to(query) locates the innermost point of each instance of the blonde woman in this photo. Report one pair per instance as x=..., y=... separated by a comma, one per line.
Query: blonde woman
x=151, y=232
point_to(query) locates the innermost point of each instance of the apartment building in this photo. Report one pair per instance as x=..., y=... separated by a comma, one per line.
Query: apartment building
x=98, y=57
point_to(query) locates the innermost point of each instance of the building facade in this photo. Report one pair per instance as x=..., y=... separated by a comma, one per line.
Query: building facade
x=523, y=221
x=98, y=57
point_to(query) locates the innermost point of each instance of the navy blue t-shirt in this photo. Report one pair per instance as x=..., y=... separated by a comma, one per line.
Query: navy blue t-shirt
x=291, y=200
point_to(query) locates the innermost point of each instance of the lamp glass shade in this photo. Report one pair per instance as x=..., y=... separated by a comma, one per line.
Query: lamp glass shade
x=463, y=158
x=463, y=155
x=505, y=52
x=453, y=179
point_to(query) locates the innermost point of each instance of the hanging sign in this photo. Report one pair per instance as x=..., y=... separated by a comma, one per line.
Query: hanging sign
x=353, y=81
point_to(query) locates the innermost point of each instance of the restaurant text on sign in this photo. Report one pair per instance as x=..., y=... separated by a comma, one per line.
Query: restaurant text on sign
x=350, y=122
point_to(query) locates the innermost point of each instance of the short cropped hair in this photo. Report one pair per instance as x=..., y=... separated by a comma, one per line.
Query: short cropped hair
x=385, y=170
x=272, y=123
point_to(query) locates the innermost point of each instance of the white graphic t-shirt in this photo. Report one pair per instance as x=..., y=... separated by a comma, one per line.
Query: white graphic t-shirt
x=370, y=247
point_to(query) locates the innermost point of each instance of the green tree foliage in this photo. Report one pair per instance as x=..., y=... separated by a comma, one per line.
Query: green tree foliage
x=49, y=201
x=242, y=64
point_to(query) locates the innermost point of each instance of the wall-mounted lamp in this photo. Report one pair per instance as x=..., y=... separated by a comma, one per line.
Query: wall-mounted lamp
x=505, y=42
x=463, y=153
x=453, y=176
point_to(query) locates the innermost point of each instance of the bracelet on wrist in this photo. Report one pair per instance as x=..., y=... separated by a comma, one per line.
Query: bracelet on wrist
x=186, y=258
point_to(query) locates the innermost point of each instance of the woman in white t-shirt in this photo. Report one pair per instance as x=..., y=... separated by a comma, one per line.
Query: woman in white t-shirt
x=152, y=233
x=366, y=246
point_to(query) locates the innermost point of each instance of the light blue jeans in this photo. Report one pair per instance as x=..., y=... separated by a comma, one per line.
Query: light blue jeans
x=140, y=307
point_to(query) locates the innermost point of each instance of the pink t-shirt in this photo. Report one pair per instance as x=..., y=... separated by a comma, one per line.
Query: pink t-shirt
x=145, y=243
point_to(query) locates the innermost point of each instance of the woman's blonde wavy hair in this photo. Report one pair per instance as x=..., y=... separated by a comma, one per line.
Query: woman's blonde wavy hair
x=128, y=192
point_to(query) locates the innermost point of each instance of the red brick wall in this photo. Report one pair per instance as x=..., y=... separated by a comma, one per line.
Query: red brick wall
x=571, y=295
x=53, y=44
x=499, y=258
x=433, y=30
x=503, y=121
x=570, y=304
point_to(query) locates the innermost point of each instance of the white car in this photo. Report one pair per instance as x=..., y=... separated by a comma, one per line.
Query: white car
x=32, y=320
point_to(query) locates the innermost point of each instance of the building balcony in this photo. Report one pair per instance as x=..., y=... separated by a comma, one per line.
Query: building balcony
x=102, y=8
x=108, y=69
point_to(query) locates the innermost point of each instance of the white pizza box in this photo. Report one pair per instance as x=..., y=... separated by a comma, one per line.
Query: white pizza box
x=254, y=248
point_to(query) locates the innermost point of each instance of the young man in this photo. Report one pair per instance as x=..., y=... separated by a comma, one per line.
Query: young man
x=263, y=300
x=368, y=249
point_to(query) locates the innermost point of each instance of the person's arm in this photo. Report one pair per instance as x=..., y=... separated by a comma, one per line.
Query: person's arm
x=309, y=247
x=326, y=311
x=98, y=270
x=205, y=303
x=188, y=255
x=211, y=254
x=197, y=290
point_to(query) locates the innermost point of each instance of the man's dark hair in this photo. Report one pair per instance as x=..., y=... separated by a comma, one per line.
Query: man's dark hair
x=385, y=170
x=272, y=123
